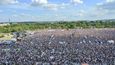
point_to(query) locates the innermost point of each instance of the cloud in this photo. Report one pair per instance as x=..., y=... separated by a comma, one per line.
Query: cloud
x=105, y=9
x=77, y=1
x=107, y=5
x=39, y=2
x=46, y=4
x=56, y=6
x=102, y=10
x=81, y=13
x=99, y=12
x=4, y=2
x=51, y=6
x=110, y=0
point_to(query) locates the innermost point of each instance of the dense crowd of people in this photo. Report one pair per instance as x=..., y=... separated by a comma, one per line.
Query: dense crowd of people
x=51, y=49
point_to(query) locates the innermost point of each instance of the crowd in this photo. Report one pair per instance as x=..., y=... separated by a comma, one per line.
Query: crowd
x=59, y=50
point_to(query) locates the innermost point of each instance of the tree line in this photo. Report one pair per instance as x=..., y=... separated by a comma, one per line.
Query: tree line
x=55, y=25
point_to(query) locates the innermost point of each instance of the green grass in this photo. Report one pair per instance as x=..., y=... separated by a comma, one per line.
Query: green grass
x=57, y=25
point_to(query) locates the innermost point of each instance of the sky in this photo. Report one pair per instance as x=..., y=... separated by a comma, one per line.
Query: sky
x=56, y=10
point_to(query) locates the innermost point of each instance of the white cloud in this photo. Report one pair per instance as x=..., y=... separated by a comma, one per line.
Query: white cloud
x=46, y=4
x=56, y=6
x=8, y=2
x=99, y=12
x=107, y=5
x=39, y=2
x=51, y=6
x=110, y=0
x=81, y=13
x=77, y=1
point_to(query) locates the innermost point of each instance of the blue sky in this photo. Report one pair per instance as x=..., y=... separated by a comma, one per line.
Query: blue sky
x=56, y=10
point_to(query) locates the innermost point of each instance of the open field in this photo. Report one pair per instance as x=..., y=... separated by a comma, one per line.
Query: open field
x=6, y=36
x=62, y=47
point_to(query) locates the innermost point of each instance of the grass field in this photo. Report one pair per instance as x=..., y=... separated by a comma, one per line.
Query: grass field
x=5, y=36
